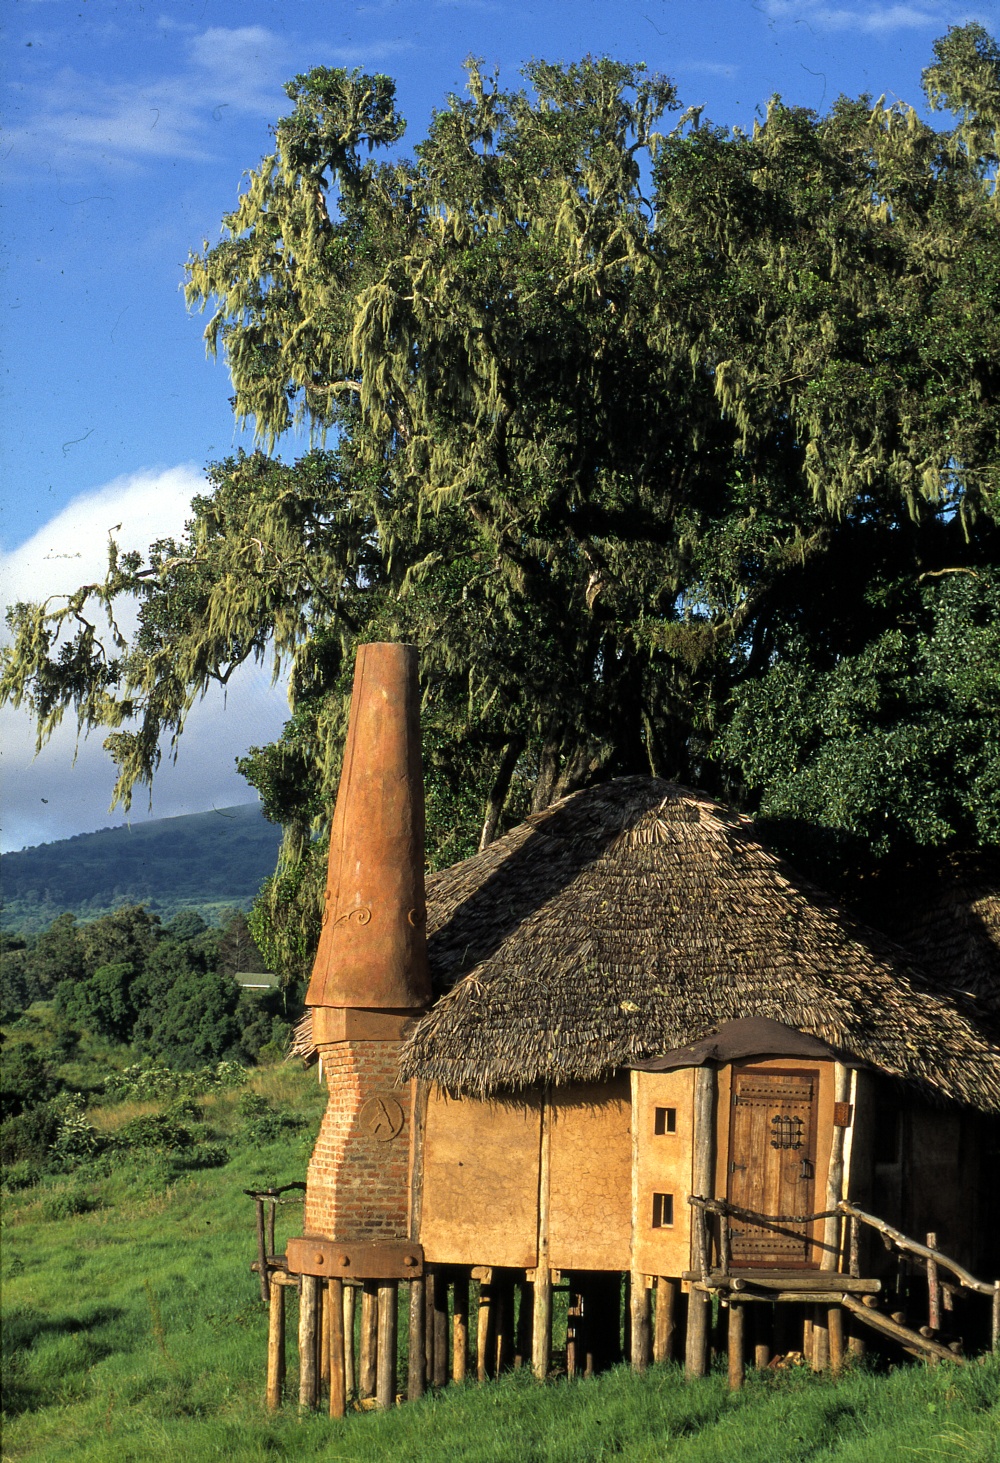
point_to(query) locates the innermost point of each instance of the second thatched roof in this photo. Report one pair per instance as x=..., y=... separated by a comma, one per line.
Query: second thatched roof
x=637, y=916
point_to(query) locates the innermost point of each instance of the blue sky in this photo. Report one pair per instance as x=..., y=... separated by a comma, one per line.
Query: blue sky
x=128, y=126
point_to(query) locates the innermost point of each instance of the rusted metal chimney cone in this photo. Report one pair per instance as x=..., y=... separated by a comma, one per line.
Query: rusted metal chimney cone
x=373, y=948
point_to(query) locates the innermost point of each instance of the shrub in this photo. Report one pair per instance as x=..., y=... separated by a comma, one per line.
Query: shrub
x=27, y=1081
x=68, y=1203
x=155, y=1132
x=29, y=1136
x=75, y=1138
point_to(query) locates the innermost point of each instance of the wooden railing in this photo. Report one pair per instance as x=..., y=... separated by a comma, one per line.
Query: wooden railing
x=846, y=1257
x=265, y=1245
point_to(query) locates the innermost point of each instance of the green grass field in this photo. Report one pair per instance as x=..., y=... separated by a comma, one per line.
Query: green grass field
x=134, y=1330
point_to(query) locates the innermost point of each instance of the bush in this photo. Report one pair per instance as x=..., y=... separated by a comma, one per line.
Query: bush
x=30, y=1136
x=68, y=1203
x=75, y=1138
x=24, y=1174
x=27, y=1081
x=155, y=1132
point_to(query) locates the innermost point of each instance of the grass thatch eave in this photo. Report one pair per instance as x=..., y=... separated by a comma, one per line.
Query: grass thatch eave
x=635, y=917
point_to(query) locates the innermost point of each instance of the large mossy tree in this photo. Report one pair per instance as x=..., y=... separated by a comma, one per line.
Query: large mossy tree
x=643, y=429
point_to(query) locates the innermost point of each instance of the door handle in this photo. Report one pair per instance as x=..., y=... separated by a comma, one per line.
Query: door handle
x=737, y=1168
x=807, y=1169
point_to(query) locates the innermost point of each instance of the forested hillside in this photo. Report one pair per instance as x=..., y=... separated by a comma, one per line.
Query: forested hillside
x=203, y=861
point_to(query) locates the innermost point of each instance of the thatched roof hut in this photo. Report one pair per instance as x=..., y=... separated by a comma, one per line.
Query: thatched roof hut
x=635, y=917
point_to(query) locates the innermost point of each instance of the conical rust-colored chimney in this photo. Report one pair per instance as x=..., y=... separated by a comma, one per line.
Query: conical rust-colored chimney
x=371, y=976
x=372, y=951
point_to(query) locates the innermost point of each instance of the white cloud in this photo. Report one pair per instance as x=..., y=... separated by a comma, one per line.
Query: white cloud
x=79, y=120
x=869, y=19
x=48, y=796
x=707, y=68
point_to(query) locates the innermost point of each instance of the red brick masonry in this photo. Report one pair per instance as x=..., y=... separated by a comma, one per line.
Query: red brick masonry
x=357, y=1181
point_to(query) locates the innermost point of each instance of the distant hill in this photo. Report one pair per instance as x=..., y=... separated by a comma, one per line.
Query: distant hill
x=204, y=861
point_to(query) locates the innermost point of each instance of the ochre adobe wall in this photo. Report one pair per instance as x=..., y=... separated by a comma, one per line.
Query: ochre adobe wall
x=357, y=1179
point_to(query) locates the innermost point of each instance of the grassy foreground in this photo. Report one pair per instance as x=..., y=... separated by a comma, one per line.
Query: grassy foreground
x=134, y=1331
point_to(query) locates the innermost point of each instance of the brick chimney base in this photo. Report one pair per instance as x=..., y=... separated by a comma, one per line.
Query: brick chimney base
x=357, y=1183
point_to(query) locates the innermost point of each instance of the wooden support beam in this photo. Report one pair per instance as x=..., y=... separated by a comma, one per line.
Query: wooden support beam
x=429, y=1291
x=442, y=1359
x=667, y=1295
x=323, y=1354
x=460, y=1326
x=369, y=1339
x=995, y=1321
x=541, y=1326
x=820, y=1359
x=262, y=1253
x=641, y=1317
x=308, y=1307
x=735, y=1339
x=385, y=1382
x=416, y=1367
x=574, y=1328
x=696, y=1340
x=763, y=1336
x=335, y=1359
x=484, y=1330
x=541, y=1323
x=503, y=1344
x=276, y=1346
x=835, y=1331
x=522, y=1340
x=350, y=1379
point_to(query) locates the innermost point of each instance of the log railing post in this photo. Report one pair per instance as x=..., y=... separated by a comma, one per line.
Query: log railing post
x=262, y=1251
x=933, y=1288
x=276, y=1346
x=385, y=1381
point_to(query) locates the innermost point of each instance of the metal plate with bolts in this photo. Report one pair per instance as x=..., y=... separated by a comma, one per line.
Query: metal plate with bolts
x=385, y=1260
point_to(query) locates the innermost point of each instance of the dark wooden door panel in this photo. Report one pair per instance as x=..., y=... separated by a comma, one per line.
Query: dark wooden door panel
x=772, y=1163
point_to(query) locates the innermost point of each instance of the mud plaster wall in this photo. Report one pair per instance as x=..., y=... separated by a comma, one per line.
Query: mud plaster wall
x=663, y=1166
x=480, y=1188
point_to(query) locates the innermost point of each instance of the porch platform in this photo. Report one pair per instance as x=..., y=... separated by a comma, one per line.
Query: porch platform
x=822, y=1282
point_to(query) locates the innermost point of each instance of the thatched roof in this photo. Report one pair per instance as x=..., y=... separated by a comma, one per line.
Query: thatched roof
x=948, y=915
x=637, y=916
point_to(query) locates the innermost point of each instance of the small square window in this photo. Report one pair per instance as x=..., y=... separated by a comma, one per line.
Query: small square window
x=663, y=1211
x=664, y=1120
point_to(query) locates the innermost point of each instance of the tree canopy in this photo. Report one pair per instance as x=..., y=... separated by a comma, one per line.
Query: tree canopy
x=645, y=430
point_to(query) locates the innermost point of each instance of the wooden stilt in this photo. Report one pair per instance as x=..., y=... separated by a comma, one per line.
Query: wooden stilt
x=503, y=1349
x=667, y=1291
x=429, y=1285
x=350, y=1381
x=369, y=1339
x=574, y=1328
x=821, y=1340
x=308, y=1297
x=736, y=1361
x=335, y=1356
x=807, y=1338
x=324, y=1331
x=385, y=1382
x=522, y=1343
x=541, y=1323
x=696, y=1341
x=762, y=1320
x=416, y=1372
x=442, y=1360
x=835, y=1331
x=484, y=1330
x=276, y=1346
x=641, y=1317
x=460, y=1326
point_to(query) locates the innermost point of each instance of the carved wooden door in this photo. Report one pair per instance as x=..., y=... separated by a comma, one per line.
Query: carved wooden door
x=772, y=1164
